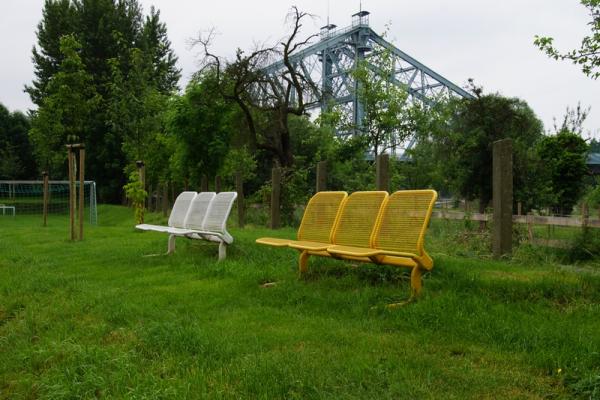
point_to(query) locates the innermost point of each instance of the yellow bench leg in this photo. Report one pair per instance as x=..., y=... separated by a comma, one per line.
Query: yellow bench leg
x=303, y=262
x=415, y=288
x=415, y=282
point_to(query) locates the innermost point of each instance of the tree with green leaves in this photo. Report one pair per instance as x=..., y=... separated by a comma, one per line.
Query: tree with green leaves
x=66, y=111
x=16, y=154
x=390, y=117
x=588, y=54
x=137, y=107
x=156, y=47
x=564, y=156
x=201, y=123
x=108, y=32
x=462, y=144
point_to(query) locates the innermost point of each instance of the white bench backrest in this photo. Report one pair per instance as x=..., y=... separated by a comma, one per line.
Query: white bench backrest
x=218, y=212
x=180, y=209
x=197, y=212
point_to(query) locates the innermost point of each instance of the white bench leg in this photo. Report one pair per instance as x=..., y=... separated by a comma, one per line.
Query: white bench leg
x=171, y=245
x=222, y=251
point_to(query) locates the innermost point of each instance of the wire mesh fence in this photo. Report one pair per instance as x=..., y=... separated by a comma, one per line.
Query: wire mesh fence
x=27, y=197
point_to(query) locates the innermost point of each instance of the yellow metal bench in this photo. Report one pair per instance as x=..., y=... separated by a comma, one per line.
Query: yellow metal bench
x=317, y=223
x=354, y=227
x=367, y=227
x=398, y=237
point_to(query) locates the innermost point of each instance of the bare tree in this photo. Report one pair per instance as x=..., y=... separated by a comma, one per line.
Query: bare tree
x=276, y=96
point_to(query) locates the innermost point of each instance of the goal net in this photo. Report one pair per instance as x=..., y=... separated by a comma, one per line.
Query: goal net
x=27, y=197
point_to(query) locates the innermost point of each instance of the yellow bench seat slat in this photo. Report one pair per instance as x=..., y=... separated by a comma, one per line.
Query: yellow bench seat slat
x=374, y=255
x=352, y=251
x=306, y=245
x=275, y=242
x=365, y=252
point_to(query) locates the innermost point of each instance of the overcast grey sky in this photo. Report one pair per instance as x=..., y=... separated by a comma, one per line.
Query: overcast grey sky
x=488, y=40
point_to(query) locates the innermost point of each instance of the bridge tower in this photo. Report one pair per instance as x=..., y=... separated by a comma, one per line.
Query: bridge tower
x=328, y=65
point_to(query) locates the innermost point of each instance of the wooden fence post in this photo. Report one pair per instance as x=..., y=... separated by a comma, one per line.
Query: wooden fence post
x=321, y=176
x=165, y=199
x=217, y=183
x=70, y=158
x=82, y=188
x=382, y=167
x=530, y=226
x=275, y=198
x=46, y=198
x=204, y=183
x=239, y=187
x=585, y=216
x=502, y=197
x=519, y=208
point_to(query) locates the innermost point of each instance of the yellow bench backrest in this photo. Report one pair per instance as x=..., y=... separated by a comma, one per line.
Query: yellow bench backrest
x=320, y=216
x=404, y=220
x=358, y=219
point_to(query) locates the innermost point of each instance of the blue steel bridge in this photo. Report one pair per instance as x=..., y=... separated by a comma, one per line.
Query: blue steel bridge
x=327, y=66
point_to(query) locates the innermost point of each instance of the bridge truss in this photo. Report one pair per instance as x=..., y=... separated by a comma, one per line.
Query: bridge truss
x=327, y=66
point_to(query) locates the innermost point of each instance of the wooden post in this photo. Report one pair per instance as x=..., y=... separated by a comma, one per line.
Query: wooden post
x=502, y=197
x=71, y=192
x=142, y=175
x=46, y=198
x=585, y=216
x=81, y=188
x=321, y=176
x=530, y=226
x=141, y=172
x=519, y=208
x=151, y=202
x=217, y=183
x=383, y=172
x=239, y=187
x=275, y=198
x=165, y=199
x=204, y=183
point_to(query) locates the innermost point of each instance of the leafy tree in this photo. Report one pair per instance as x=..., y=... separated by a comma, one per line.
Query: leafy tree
x=201, y=124
x=107, y=30
x=239, y=160
x=156, y=46
x=134, y=190
x=16, y=157
x=65, y=114
x=389, y=116
x=137, y=107
x=462, y=144
x=564, y=156
x=58, y=19
x=588, y=54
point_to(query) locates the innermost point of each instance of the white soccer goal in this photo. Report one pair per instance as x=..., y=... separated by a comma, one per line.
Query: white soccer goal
x=27, y=197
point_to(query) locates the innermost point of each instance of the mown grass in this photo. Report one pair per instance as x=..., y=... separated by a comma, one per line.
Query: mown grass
x=95, y=319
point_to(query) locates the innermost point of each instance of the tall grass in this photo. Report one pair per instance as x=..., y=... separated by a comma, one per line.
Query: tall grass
x=96, y=319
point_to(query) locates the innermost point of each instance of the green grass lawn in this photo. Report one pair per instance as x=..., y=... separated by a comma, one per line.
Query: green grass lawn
x=95, y=319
